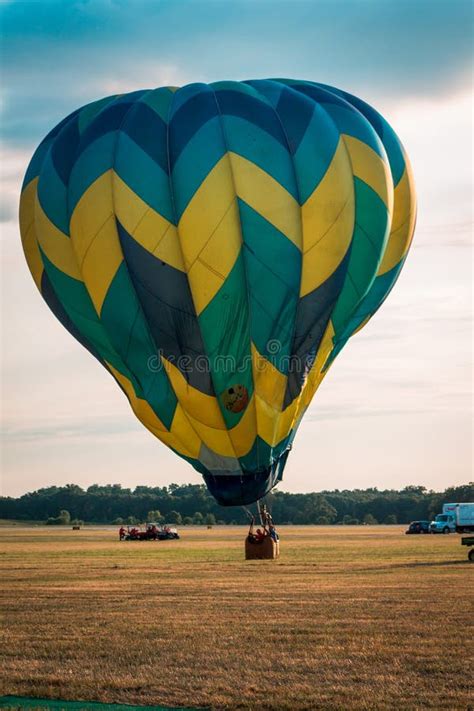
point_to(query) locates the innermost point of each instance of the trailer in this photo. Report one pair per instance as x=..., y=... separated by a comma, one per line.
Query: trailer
x=469, y=541
x=457, y=518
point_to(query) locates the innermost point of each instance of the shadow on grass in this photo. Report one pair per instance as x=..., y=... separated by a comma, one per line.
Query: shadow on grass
x=418, y=564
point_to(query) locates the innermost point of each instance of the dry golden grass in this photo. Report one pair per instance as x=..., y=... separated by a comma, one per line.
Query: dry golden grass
x=347, y=618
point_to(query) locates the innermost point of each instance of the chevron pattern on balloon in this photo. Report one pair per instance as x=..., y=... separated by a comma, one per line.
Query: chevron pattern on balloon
x=214, y=247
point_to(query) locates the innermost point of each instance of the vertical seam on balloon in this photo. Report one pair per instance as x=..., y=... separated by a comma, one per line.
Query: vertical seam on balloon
x=48, y=153
x=246, y=280
x=120, y=357
x=175, y=214
x=177, y=334
x=298, y=415
x=301, y=226
x=349, y=250
x=128, y=115
x=68, y=204
x=34, y=221
x=124, y=358
x=140, y=307
x=390, y=217
x=104, y=332
x=302, y=236
x=346, y=98
x=203, y=247
x=139, y=310
x=370, y=241
x=103, y=329
x=112, y=197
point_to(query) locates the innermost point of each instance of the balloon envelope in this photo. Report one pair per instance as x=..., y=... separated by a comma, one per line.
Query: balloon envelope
x=214, y=247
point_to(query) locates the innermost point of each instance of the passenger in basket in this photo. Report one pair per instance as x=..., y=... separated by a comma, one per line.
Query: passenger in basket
x=273, y=533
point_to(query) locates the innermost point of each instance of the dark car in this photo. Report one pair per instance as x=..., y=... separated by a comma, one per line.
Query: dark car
x=419, y=527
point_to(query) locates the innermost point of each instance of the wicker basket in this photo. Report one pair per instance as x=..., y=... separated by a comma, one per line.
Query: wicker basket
x=268, y=549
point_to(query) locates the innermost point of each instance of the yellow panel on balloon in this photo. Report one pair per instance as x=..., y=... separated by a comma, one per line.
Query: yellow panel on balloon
x=28, y=232
x=403, y=222
x=328, y=222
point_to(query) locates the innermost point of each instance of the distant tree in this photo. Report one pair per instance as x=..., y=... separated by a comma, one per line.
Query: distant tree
x=155, y=516
x=315, y=506
x=353, y=522
x=111, y=502
x=64, y=519
x=459, y=494
x=132, y=521
x=174, y=517
x=390, y=519
x=323, y=521
x=210, y=519
x=370, y=520
x=198, y=518
x=418, y=490
x=93, y=488
x=433, y=509
x=187, y=520
x=118, y=521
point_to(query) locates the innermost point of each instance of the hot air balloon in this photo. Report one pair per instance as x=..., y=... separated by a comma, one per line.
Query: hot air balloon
x=214, y=247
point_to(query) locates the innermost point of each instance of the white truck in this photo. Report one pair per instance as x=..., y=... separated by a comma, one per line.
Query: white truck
x=455, y=518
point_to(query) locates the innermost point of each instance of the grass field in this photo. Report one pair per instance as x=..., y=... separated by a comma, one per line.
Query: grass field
x=347, y=618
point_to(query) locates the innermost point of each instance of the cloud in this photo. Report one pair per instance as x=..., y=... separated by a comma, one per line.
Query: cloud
x=437, y=134
x=7, y=209
x=90, y=427
x=163, y=75
x=13, y=165
x=324, y=415
x=57, y=56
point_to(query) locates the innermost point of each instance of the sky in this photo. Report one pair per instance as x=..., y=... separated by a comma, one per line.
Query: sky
x=396, y=408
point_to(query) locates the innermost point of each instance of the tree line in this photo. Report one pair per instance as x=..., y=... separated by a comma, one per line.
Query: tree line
x=192, y=504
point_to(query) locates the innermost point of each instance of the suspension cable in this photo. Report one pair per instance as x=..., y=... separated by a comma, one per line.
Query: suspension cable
x=249, y=513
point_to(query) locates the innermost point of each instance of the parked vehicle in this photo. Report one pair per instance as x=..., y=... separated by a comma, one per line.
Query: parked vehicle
x=455, y=517
x=167, y=532
x=152, y=532
x=469, y=541
x=419, y=527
